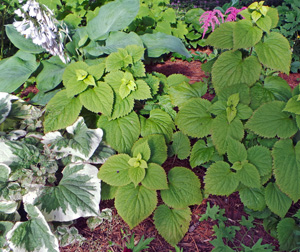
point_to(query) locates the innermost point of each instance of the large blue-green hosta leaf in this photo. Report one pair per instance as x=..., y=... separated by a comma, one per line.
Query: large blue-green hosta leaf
x=113, y=16
x=83, y=142
x=33, y=235
x=77, y=194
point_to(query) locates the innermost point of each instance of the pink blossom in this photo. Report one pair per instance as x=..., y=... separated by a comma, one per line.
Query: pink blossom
x=232, y=13
x=210, y=19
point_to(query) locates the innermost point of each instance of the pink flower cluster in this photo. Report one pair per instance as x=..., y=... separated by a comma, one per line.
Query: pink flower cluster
x=212, y=18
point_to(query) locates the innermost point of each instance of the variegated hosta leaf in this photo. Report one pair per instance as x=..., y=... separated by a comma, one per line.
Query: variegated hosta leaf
x=83, y=144
x=8, y=207
x=5, y=106
x=77, y=194
x=5, y=226
x=7, y=155
x=33, y=235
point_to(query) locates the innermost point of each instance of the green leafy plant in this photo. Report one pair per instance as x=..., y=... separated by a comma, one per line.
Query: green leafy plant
x=45, y=178
x=142, y=244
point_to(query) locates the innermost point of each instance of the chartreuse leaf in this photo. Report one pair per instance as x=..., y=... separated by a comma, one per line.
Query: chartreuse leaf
x=248, y=175
x=81, y=141
x=114, y=16
x=253, y=198
x=194, y=118
x=286, y=234
x=136, y=174
x=77, y=194
x=142, y=91
x=122, y=132
x=264, y=23
x=136, y=52
x=276, y=200
x=181, y=145
x=245, y=35
x=287, y=167
x=156, y=178
x=223, y=132
x=61, y=111
x=269, y=121
x=231, y=69
x=273, y=14
x=122, y=107
x=260, y=156
x=143, y=149
x=115, y=170
x=172, y=224
x=32, y=235
x=118, y=60
x=98, y=99
x=184, y=91
x=176, y=79
x=184, y=188
x=135, y=204
x=157, y=146
x=293, y=105
x=220, y=180
x=274, y=52
x=222, y=37
x=201, y=153
x=159, y=122
x=236, y=151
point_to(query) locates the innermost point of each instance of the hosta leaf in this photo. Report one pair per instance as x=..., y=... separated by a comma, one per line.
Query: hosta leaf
x=223, y=132
x=172, y=224
x=8, y=206
x=32, y=235
x=61, y=111
x=286, y=234
x=98, y=99
x=134, y=204
x=181, y=145
x=231, y=69
x=157, y=146
x=106, y=20
x=274, y=52
x=81, y=142
x=159, y=122
x=253, y=198
x=236, y=151
x=156, y=178
x=77, y=194
x=115, y=170
x=287, y=167
x=184, y=188
x=5, y=226
x=184, y=92
x=222, y=37
x=5, y=106
x=276, y=200
x=269, y=121
x=293, y=105
x=201, y=153
x=194, y=118
x=260, y=156
x=249, y=176
x=245, y=35
x=120, y=133
x=220, y=180
x=143, y=148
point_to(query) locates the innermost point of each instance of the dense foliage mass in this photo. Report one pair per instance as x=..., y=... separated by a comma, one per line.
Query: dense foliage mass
x=102, y=127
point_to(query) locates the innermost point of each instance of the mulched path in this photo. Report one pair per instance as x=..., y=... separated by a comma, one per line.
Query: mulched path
x=109, y=235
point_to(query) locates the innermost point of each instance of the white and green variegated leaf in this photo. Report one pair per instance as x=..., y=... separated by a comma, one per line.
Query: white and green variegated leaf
x=5, y=226
x=184, y=188
x=83, y=143
x=76, y=195
x=286, y=233
x=245, y=34
x=249, y=176
x=115, y=170
x=194, y=118
x=269, y=121
x=134, y=204
x=120, y=133
x=276, y=200
x=231, y=69
x=181, y=146
x=236, y=151
x=253, y=198
x=5, y=106
x=159, y=122
x=33, y=235
x=8, y=207
x=172, y=224
x=260, y=156
x=222, y=37
x=287, y=167
x=201, y=153
x=4, y=180
x=61, y=111
x=223, y=132
x=156, y=178
x=220, y=180
x=184, y=91
x=274, y=52
x=142, y=148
